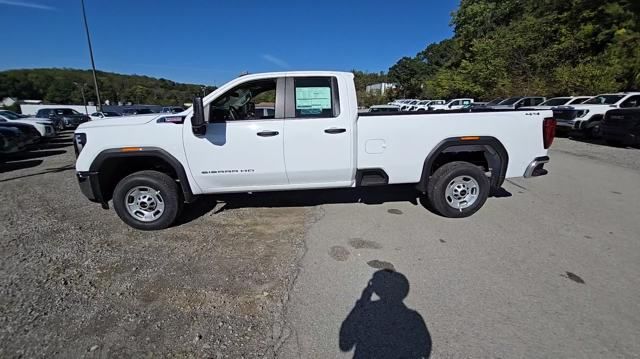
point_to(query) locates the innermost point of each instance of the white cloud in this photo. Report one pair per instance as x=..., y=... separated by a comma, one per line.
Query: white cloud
x=30, y=5
x=276, y=61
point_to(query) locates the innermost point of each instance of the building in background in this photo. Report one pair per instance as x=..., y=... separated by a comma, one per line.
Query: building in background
x=380, y=88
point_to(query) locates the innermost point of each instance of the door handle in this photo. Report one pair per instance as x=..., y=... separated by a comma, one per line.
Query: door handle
x=268, y=133
x=333, y=131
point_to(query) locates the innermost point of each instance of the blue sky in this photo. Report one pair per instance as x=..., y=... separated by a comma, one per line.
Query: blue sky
x=211, y=42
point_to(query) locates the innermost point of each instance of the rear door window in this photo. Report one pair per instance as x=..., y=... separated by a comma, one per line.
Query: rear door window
x=315, y=97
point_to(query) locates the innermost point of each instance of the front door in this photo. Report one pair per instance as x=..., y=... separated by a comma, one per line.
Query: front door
x=242, y=149
x=318, y=133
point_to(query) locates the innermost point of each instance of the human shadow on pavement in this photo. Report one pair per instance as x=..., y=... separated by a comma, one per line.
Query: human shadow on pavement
x=385, y=328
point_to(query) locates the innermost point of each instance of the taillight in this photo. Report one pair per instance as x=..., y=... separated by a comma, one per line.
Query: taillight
x=548, y=131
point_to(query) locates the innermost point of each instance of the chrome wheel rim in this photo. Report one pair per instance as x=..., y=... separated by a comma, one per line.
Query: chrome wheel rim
x=144, y=203
x=462, y=192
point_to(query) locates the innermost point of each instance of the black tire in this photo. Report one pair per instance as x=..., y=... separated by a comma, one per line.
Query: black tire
x=159, y=181
x=614, y=143
x=443, y=176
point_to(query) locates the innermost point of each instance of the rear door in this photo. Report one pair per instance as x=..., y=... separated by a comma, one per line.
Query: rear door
x=318, y=132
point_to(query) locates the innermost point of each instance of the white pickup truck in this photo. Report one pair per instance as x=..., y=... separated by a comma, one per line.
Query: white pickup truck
x=150, y=165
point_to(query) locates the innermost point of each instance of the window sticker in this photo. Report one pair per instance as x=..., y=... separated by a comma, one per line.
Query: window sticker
x=312, y=100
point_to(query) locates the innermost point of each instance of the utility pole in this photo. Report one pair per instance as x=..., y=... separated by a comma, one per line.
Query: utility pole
x=84, y=100
x=93, y=65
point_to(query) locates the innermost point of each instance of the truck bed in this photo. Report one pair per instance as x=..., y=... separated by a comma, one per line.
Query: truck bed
x=393, y=148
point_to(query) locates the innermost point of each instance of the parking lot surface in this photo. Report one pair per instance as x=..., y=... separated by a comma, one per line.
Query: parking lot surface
x=547, y=269
x=76, y=282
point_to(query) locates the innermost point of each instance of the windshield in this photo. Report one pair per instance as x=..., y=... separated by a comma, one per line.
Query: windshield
x=556, y=101
x=604, y=100
x=578, y=100
x=9, y=115
x=111, y=114
x=144, y=111
x=494, y=102
x=510, y=101
x=66, y=111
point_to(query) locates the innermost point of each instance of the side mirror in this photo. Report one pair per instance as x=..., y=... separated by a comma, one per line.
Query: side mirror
x=198, y=125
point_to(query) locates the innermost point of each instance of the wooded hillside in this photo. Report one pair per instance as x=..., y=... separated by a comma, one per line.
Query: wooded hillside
x=57, y=86
x=526, y=47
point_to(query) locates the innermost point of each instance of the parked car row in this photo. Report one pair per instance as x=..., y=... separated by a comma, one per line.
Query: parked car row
x=415, y=105
x=591, y=116
x=587, y=117
x=20, y=132
x=539, y=102
x=45, y=128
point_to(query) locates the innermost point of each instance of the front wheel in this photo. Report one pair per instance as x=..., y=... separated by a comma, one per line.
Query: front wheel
x=147, y=200
x=458, y=189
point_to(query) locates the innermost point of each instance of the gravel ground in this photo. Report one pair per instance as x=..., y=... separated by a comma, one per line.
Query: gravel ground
x=76, y=282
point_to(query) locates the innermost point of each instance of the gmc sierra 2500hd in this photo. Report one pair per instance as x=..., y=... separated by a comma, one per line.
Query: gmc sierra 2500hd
x=151, y=164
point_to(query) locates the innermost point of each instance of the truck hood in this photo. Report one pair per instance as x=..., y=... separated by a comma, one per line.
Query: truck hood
x=120, y=121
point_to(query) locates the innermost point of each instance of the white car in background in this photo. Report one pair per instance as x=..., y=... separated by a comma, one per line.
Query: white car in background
x=103, y=114
x=45, y=127
x=424, y=105
x=408, y=105
x=455, y=104
x=561, y=101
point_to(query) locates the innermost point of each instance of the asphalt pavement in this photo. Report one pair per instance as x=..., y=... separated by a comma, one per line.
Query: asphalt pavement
x=548, y=269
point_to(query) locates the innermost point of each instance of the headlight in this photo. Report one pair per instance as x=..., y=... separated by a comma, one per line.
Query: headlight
x=582, y=113
x=79, y=140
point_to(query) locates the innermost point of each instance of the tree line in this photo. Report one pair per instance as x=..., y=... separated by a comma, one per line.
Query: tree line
x=529, y=47
x=64, y=86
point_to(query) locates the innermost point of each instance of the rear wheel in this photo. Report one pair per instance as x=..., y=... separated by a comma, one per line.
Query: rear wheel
x=147, y=200
x=458, y=189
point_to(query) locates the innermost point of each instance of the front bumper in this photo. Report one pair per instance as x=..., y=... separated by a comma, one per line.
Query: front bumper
x=90, y=186
x=536, y=167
